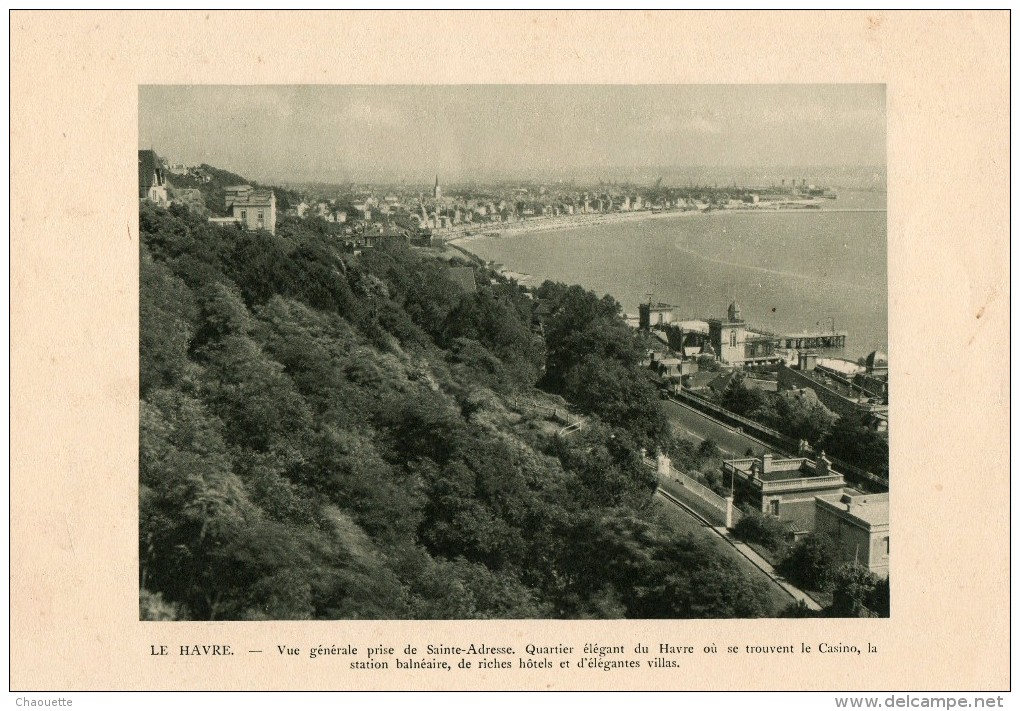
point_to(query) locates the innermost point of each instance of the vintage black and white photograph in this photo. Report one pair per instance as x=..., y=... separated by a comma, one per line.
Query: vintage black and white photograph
x=459, y=352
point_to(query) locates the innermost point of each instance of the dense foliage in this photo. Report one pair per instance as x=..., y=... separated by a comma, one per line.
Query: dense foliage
x=799, y=414
x=857, y=592
x=853, y=441
x=328, y=436
x=814, y=563
x=795, y=413
x=763, y=529
x=593, y=360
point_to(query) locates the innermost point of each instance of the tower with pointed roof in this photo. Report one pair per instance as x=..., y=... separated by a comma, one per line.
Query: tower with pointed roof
x=437, y=192
x=729, y=336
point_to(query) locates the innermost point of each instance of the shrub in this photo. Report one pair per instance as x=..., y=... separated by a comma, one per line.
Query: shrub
x=811, y=563
x=756, y=527
x=798, y=609
x=856, y=591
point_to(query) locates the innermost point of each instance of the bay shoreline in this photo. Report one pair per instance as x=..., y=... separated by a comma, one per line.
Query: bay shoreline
x=568, y=222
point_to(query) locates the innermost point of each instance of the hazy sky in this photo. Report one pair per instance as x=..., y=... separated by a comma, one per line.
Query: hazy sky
x=336, y=133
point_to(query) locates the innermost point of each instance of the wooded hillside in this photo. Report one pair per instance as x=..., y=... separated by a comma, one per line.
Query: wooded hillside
x=326, y=436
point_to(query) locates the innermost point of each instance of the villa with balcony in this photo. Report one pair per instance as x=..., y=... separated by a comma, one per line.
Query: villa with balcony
x=785, y=488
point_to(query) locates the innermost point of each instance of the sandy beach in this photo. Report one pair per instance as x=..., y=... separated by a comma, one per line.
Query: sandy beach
x=563, y=222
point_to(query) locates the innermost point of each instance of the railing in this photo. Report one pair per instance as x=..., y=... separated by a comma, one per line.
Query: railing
x=570, y=429
x=797, y=482
x=551, y=412
x=701, y=498
x=840, y=378
x=775, y=437
x=810, y=482
x=854, y=474
x=729, y=466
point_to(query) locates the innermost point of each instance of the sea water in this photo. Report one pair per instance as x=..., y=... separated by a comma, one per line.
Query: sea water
x=790, y=272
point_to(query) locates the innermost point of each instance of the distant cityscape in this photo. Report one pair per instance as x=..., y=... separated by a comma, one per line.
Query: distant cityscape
x=439, y=209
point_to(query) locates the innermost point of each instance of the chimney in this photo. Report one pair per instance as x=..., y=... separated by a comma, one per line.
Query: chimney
x=766, y=463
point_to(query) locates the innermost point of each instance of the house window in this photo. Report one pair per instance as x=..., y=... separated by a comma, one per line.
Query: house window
x=244, y=214
x=261, y=216
x=887, y=545
x=775, y=507
x=733, y=338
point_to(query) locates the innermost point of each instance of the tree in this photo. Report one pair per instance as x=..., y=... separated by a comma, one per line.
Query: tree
x=152, y=607
x=708, y=450
x=461, y=590
x=799, y=414
x=812, y=562
x=744, y=399
x=492, y=320
x=853, y=590
x=619, y=395
x=253, y=396
x=607, y=556
x=853, y=441
x=606, y=465
x=582, y=325
x=879, y=603
x=326, y=437
x=690, y=580
x=798, y=609
x=166, y=311
x=682, y=452
x=193, y=506
x=756, y=527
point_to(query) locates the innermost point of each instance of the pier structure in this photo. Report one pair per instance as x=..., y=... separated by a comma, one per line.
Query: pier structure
x=818, y=339
x=738, y=344
x=731, y=339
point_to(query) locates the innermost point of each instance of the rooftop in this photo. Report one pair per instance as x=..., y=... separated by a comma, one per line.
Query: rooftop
x=255, y=198
x=788, y=469
x=769, y=469
x=693, y=325
x=840, y=365
x=877, y=359
x=872, y=509
x=701, y=379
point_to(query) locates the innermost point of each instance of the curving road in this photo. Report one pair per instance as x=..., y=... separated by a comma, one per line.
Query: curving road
x=684, y=522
